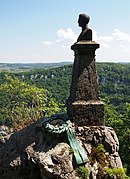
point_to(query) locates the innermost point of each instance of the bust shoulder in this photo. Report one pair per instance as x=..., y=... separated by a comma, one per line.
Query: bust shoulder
x=85, y=35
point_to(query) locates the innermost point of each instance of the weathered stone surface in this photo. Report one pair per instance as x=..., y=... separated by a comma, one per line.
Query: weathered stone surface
x=57, y=162
x=14, y=161
x=84, y=104
x=99, y=134
x=95, y=135
x=90, y=113
x=32, y=153
x=84, y=77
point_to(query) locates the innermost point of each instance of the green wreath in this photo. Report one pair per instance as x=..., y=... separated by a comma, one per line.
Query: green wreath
x=57, y=124
x=62, y=125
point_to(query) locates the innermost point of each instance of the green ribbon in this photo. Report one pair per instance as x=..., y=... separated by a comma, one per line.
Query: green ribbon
x=79, y=152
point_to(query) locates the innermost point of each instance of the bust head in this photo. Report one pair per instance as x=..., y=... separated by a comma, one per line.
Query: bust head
x=83, y=20
x=86, y=33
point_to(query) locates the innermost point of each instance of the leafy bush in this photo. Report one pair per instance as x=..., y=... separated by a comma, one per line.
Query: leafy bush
x=100, y=148
x=22, y=103
x=116, y=172
x=83, y=172
x=121, y=125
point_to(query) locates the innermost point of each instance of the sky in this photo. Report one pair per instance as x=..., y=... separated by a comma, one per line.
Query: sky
x=42, y=31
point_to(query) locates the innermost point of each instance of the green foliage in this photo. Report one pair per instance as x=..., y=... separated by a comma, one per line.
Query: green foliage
x=100, y=148
x=120, y=173
x=121, y=124
x=101, y=159
x=83, y=172
x=98, y=155
x=116, y=172
x=1, y=136
x=56, y=80
x=114, y=80
x=71, y=151
x=21, y=103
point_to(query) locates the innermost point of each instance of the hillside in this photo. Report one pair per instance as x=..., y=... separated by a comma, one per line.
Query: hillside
x=114, y=80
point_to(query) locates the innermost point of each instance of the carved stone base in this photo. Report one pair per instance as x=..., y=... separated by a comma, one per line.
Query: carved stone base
x=90, y=113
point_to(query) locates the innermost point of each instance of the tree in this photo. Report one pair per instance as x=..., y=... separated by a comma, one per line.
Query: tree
x=121, y=124
x=21, y=103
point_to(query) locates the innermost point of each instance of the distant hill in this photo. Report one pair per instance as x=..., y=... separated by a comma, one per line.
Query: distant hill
x=125, y=62
x=29, y=66
x=21, y=67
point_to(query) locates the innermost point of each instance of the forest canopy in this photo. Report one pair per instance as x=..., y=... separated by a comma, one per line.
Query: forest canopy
x=21, y=103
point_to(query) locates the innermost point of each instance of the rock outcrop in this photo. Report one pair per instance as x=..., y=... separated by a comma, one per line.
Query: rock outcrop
x=33, y=153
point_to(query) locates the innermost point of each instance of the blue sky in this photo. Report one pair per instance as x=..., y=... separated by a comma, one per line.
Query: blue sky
x=33, y=31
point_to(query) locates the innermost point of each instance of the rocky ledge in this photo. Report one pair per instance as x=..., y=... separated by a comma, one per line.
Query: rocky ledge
x=33, y=153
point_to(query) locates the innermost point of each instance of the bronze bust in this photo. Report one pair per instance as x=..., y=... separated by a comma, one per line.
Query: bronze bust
x=86, y=33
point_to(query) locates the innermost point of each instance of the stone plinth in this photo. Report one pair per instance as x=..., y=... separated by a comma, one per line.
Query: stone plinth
x=84, y=104
x=90, y=113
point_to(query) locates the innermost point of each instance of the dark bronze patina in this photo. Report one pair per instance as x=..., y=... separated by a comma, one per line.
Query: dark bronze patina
x=86, y=33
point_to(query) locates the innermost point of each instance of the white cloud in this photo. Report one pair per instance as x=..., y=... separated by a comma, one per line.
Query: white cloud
x=65, y=38
x=116, y=35
x=120, y=36
x=105, y=39
x=64, y=46
x=59, y=41
x=125, y=48
x=67, y=34
x=114, y=47
x=47, y=43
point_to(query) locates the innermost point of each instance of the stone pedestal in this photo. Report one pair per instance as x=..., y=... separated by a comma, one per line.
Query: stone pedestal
x=88, y=113
x=84, y=104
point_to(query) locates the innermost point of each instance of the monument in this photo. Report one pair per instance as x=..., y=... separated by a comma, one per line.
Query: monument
x=74, y=147
x=84, y=104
